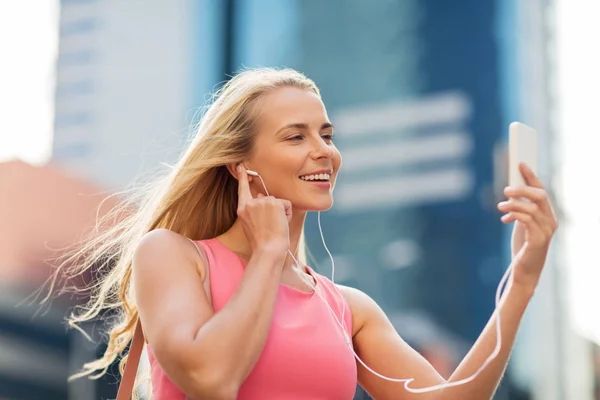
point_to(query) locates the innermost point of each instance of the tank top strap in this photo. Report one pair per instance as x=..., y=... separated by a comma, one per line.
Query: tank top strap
x=225, y=271
x=335, y=299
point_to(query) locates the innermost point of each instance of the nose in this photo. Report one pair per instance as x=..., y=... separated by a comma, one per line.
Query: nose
x=321, y=149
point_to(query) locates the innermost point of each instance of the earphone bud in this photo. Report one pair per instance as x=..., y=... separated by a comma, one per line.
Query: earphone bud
x=348, y=339
x=249, y=171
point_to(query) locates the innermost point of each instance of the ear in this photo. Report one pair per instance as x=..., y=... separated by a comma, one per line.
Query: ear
x=232, y=170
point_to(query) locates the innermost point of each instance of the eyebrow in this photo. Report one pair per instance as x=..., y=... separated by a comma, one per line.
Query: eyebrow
x=325, y=125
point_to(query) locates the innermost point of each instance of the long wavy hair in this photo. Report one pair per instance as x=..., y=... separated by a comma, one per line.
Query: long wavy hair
x=197, y=198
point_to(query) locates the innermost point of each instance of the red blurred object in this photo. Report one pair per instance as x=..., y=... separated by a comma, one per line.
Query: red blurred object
x=42, y=209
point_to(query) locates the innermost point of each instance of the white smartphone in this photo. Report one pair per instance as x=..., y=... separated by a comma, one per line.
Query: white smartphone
x=522, y=148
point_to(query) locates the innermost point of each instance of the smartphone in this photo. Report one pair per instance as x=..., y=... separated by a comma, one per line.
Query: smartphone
x=522, y=148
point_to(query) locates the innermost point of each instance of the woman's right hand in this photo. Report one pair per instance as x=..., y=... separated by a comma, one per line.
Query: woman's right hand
x=264, y=218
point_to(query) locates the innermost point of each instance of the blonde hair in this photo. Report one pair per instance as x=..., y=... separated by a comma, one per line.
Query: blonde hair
x=197, y=199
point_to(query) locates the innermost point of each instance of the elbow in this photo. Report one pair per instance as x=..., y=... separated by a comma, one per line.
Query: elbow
x=213, y=385
x=200, y=374
x=444, y=393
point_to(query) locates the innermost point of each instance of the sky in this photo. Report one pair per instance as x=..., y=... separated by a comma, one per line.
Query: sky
x=29, y=42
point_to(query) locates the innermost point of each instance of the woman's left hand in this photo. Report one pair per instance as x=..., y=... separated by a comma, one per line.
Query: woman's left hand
x=535, y=225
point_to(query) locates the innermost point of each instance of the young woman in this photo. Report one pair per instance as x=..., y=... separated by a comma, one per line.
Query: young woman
x=227, y=313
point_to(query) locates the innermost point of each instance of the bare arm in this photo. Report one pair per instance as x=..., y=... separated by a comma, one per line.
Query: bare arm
x=382, y=349
x=512, y=307
x=209, y=355
x=206, y=354
x=378, y=344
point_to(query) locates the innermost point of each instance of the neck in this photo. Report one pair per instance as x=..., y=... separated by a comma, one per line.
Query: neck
x=235, y=238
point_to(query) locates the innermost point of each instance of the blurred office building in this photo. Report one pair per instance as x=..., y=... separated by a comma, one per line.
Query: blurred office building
x=421, y=93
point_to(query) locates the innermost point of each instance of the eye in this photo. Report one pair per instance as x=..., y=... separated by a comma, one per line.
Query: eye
x=328, y=137
x=296, y=137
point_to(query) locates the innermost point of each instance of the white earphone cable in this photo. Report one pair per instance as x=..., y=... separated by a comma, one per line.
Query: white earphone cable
x=348, y=340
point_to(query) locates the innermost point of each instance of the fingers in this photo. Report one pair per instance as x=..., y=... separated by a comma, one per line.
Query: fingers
x=513, y=216
x=517, y=205
x=244, y=194
x=534, y=191
x=520, y=210
x=537, y=210
x=528, y=192
x=538, y=235
x=540, y=212
x=530, y=206
x=530, y=178
x=287, y=205
x=535, y=195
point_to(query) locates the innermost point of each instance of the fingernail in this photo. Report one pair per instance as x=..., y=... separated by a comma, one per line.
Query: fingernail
x=238, y=168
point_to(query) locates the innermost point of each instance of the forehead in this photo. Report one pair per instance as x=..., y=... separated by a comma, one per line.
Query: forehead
x=290, y=105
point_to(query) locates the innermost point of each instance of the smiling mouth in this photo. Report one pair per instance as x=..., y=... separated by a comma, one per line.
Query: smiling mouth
x=316, y=178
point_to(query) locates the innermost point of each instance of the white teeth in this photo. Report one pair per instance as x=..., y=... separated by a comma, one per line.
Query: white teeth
x=317, y=177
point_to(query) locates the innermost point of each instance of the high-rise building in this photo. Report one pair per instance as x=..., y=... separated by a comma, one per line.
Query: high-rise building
x=123, y=91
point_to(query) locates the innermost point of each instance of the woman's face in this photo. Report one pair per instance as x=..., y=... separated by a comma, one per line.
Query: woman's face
x=293, y=150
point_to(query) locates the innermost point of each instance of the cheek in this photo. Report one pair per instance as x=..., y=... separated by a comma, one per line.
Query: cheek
x=337, y=160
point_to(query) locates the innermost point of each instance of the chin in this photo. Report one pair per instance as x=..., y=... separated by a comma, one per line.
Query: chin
x=314, y=206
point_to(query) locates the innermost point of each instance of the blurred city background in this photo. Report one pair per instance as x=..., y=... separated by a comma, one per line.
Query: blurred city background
x=97, y=94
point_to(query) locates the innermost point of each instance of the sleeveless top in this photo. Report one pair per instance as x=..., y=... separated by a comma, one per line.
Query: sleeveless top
x=306, y=356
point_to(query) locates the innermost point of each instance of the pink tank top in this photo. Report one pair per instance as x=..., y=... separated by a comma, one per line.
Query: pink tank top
x=305, y=356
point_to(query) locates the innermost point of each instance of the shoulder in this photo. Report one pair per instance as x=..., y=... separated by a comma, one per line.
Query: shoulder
x=161, y=247
x=355, y=296
x=364, y=308
x=160, y=242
